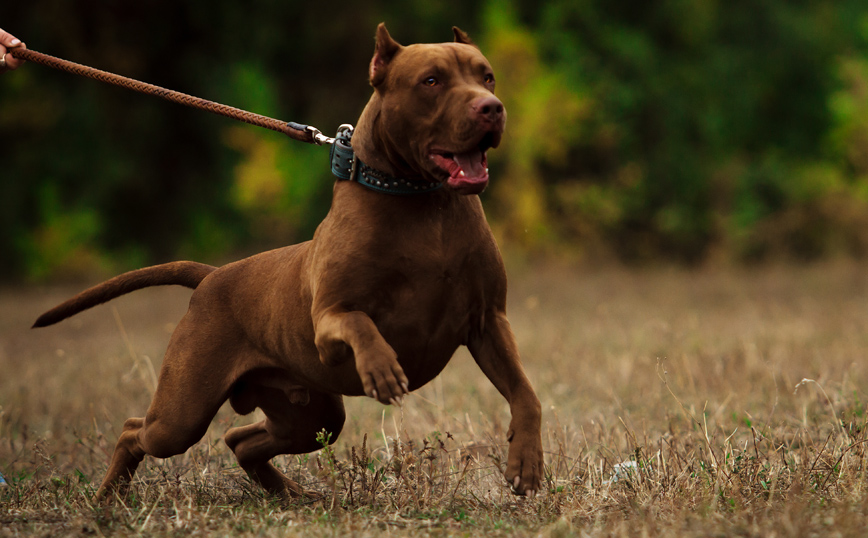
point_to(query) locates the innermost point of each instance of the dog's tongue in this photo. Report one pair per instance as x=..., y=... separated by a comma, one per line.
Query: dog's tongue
x=468, y=172
x=472, y=164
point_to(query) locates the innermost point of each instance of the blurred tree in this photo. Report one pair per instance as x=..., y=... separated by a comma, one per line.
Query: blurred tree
x=702, y=111
x=543, y=112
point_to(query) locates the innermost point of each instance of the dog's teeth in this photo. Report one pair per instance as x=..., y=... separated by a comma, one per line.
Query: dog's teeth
x=374, y=394
x=461, y=173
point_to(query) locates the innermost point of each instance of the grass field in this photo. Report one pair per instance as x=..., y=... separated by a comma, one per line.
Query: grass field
x=710, y=403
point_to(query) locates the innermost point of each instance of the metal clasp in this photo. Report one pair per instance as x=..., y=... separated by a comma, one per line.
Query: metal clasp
x=319, y=138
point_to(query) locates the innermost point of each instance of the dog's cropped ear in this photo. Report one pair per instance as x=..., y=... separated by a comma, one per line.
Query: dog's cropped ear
x=461, y=36
x=383, y=54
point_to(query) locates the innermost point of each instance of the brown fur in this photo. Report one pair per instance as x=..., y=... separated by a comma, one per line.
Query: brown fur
x=376, y=304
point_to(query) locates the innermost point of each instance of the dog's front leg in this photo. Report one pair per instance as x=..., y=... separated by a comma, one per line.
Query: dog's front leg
x=496, y=353
x=341, y=335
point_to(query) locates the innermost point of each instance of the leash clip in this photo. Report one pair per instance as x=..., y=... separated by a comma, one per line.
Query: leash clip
x=319, y=138
x=315, y=135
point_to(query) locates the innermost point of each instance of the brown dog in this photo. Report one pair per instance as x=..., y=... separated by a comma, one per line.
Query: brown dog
x=376, y=304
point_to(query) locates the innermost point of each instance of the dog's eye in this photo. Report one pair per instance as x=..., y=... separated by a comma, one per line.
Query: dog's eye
x=430, y=81
x=489, y=78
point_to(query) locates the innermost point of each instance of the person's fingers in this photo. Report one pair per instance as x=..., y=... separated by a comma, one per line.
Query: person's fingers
x=9, y=61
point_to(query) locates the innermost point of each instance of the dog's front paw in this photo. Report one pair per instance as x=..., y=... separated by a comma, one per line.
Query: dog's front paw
x=383, y=378
x=524, y=464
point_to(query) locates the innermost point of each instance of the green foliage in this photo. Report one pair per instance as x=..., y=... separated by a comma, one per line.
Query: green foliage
x=543, y=111
x=679, y=129
x=716, y=117
x=59, y=246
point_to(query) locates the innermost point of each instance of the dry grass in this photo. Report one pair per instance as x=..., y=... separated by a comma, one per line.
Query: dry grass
x=690, y=375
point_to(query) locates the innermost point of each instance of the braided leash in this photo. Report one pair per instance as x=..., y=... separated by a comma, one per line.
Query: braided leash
x=296, y=131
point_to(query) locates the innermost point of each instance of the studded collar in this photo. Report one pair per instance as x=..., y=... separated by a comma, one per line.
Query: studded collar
x=345, y=165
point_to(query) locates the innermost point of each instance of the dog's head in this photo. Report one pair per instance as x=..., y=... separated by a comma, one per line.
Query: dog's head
x=437, y=114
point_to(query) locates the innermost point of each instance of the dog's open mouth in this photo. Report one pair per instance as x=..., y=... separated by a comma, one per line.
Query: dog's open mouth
x=468, y=170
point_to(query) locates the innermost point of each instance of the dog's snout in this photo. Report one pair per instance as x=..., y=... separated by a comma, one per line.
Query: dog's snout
x=488, y=108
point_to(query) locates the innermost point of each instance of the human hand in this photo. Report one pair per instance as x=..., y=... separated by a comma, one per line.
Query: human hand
x=7, y=41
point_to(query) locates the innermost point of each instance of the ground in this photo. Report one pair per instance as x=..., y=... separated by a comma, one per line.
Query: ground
x=712, y=402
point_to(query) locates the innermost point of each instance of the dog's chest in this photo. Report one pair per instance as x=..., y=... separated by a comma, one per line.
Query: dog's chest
x=426, y=310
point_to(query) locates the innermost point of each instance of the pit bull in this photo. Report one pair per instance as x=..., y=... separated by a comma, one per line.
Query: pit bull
x=403, y=270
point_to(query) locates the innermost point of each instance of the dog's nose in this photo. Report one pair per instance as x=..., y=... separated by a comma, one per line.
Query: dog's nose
x=488, y=108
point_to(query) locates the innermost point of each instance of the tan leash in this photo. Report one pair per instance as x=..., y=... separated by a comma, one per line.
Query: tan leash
x=296, y=131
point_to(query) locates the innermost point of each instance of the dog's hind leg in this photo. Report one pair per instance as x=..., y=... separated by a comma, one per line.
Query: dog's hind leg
x=195, y=379
x=163, y=433
x=126, y=458
x=288, y=429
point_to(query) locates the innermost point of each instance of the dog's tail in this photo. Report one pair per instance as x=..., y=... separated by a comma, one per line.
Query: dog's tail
x=187, y=274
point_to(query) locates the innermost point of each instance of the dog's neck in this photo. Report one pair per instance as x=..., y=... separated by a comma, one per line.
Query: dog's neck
x=368, y=140
x=368, y=161
x=347, y=165
x=368, y=145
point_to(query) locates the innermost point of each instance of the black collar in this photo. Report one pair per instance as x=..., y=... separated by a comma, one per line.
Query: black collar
x=345, y=165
